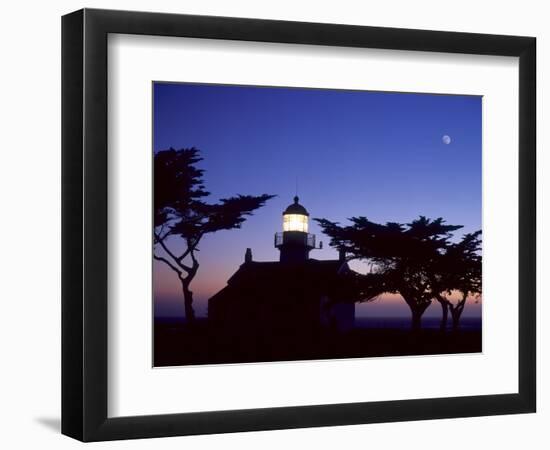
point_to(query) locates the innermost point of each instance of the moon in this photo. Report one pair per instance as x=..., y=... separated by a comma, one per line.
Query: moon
x=446, y=139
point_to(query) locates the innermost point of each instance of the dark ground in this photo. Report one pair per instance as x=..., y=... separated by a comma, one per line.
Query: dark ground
x=177, y=344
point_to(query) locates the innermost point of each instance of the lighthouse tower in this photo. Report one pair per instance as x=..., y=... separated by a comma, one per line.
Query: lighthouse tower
x=295, y=242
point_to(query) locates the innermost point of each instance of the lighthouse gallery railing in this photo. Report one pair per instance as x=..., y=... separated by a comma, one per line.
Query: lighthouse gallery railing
x=309, y=239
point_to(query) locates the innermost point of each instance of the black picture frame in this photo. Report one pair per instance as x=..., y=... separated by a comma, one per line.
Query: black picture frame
x=84, y=224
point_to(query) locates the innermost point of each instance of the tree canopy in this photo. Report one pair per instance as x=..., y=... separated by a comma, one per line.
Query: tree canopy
x=418, y=260
x=181, y=211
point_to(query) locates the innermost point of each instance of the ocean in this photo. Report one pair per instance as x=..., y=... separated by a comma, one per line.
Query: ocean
x=466, y=323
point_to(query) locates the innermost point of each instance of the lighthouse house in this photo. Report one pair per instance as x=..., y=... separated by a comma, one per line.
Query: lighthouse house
x=294, y=295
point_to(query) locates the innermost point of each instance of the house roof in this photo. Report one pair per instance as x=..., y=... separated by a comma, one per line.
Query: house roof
x=273, y=279
x=311, y=267
x=296, y=208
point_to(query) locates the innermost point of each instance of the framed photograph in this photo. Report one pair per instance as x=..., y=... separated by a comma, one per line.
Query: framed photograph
x=273, y=224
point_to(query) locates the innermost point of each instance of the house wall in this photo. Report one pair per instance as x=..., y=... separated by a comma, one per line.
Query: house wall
x=345, y=316
x=340, y=315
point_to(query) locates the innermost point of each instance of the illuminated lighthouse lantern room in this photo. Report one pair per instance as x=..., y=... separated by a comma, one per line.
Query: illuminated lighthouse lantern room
x=295, y=217
x=295, y=242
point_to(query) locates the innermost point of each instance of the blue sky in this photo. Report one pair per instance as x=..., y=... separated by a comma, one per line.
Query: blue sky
x=351, y=153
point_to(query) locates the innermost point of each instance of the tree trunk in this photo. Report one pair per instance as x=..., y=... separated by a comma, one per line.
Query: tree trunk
x=416, y=322
x=444, y=314
x=188, y=302
x=456, y=321
x=417, y=309
x=456, y=312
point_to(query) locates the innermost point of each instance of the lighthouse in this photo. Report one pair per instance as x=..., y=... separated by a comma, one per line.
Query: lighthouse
x=294, y=242
x=291, y=297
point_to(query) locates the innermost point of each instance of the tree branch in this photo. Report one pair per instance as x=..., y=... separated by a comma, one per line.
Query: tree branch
x=191, y=252
x=191, y=247
x=169, y=264
x=169, y=252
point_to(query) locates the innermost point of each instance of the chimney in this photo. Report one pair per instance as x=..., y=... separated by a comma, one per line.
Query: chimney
x=342, y=254
x=248, y=255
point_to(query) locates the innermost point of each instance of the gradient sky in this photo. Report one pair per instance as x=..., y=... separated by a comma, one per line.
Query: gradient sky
x=350, y=153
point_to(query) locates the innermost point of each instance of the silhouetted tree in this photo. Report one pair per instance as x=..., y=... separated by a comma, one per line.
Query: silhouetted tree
x=459, y=271
x=402, y=256
x=444, y=311
x=441, y=288
x=182, y=217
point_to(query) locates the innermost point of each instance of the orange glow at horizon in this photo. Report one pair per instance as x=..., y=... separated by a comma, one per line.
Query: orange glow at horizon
x=168, y=294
